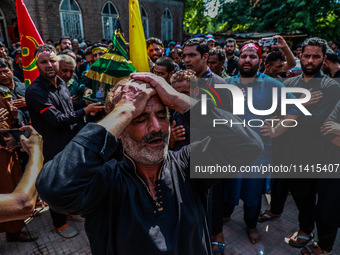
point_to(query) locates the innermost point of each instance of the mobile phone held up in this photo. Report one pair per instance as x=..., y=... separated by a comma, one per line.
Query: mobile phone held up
x=10, y=138
x=268, y=42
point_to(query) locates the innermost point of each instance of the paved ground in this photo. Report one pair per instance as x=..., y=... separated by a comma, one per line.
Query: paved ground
x=273, y=237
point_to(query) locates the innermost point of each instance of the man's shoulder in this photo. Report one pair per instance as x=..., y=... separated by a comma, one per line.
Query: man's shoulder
x=269, y=80
x=329, y=81
x=293, y=81
x=36, y=87
x=235, y=58
x=218, y=79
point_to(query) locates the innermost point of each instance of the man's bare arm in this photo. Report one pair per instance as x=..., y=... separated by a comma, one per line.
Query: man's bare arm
x=290, y=59
x=20, y=203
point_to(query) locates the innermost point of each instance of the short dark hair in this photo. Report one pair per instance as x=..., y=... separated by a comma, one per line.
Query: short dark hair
x=201, y=43
x=274, y=56
x=299, y=45
x=17, y=52
x=219, y=52
x=231, y=40
x=167, y=62
x=154, y=40
x=14, y=20
x=177, y=51
x=332, y=56
x=67, y=51
x=4, y=63
x=63, y=38
x=44, y=47
x=2, y=45
x=50, y=40
x=315, y=41
x=88, y=51
x=78, y=58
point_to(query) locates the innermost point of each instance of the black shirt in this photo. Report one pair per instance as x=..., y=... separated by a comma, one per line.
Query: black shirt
x=52, y=114
x=122, y=217
x=337, y=74
x=232, y=67
x=306, y=145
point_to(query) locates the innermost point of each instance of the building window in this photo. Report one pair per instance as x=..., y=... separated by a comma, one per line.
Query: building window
x=145, y=21
x=109, y=19
x=71, y=19
x=167, y=25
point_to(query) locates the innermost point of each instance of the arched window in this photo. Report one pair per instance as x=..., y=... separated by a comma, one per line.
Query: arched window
x=71, y=19
x=109, y=19
x=145, y=21
x=167, y=25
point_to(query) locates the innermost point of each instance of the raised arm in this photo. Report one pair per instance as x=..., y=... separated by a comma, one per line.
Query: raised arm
x=290, y=59
x=77, y=179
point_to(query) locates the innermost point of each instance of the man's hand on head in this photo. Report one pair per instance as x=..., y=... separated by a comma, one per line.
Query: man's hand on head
x=129, y=102
x=169, y=96
x=134, y=95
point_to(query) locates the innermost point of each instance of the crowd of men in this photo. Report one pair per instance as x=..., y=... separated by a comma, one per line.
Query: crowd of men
x=143, y=133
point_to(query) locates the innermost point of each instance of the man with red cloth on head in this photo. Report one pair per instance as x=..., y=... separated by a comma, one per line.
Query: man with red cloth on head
x=53, y=116
x=248, y=189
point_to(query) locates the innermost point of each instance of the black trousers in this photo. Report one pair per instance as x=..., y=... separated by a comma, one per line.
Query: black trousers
x=251, y=213
x=326, y=234
x=279, y=193
x=58, y=219
x=304, y=194
x=222, y=208
x=217, y=208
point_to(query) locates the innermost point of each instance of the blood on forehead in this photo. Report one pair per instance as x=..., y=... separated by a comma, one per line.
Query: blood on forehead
x=45, y=52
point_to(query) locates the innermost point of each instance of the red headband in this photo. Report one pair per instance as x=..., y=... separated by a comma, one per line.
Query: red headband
x=254, y=46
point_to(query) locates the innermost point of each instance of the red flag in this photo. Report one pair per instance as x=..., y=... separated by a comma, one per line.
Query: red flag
x=30, y=40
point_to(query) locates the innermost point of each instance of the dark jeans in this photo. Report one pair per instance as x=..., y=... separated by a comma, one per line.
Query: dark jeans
x=59, y=219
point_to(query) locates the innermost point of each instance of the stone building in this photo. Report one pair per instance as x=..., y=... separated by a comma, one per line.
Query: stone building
x=95, y=19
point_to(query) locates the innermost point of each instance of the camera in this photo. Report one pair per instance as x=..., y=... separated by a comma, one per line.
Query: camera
x=267, y=42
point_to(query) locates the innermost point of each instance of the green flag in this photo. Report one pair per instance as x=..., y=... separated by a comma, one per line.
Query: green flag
x=113, y=65
x=118, y=40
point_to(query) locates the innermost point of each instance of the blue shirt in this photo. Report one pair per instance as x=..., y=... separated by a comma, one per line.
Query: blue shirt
x=262, y=87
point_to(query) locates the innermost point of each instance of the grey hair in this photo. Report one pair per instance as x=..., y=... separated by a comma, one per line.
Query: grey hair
x=66, y=59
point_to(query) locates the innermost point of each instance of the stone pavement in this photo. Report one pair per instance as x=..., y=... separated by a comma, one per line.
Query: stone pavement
x=272, y=232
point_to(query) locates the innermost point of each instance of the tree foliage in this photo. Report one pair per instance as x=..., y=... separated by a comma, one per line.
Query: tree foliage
x=313, y=17
x=195, y=18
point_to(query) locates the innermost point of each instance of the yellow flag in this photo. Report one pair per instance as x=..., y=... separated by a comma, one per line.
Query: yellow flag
x=137, y=46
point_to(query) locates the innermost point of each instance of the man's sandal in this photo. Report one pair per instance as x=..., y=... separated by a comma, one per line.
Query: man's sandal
x=308, y=250
x=220, y=248
x=267, y=215
x=303, y=244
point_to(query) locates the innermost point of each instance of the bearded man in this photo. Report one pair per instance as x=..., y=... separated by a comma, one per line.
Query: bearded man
x=146, y=202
